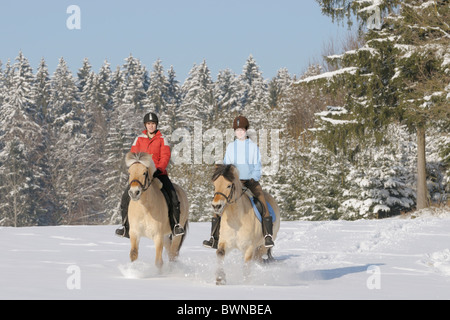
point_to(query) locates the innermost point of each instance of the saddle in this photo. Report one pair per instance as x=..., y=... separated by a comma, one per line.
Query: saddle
x=258, y=206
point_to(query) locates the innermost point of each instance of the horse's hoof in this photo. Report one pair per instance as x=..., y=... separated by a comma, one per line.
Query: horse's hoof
x=220, y=278
x=133, y=255
x=159, y=265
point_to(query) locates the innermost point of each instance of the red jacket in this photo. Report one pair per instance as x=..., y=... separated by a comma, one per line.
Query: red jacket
x=159, y=150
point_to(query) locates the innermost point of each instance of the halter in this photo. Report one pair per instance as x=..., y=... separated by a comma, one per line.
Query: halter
x=147, y=181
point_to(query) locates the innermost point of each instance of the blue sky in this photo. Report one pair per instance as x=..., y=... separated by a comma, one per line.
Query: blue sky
x=282, y=33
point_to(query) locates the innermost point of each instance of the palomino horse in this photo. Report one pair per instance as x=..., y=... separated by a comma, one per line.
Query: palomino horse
x=148, y=212
x=239, y=227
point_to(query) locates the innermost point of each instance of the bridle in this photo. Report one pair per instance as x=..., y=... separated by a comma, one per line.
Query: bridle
x=229, y=198
x=147, y=181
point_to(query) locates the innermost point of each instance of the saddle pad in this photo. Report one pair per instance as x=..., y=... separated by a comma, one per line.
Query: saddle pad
x=258, y=215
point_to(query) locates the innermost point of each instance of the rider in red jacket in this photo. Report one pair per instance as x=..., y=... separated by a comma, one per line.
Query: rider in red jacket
x=154, y=146
x=152, y=142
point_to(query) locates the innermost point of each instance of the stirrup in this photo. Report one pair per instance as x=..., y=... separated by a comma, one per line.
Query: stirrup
x=268, y=241
x=122, y=232
x=178, y=230
x=211, y=243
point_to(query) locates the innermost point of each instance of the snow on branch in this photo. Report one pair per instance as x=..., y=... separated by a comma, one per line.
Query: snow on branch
x=334, y=111
x=337, y=122
x=374, y=5
x=422, y=6
x=329, y=75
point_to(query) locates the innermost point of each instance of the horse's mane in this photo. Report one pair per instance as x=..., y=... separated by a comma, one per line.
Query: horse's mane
x=144, y=158
x=229, y=172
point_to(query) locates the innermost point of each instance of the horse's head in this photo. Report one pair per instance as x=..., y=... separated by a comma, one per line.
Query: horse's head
x=141, y=168
x=226, y=181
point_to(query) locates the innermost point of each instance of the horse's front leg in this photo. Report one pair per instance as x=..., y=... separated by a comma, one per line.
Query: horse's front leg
x=134, y=251
x=248, y=257
x=220, y=273
x=159, y=242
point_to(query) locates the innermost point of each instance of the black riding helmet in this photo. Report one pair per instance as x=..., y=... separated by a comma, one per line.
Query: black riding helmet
x=150, y=117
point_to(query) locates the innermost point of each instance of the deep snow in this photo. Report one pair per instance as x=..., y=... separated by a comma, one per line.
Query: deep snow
x=394, y=258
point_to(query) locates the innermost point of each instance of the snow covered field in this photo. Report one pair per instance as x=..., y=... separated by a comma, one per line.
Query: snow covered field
x=393, y=258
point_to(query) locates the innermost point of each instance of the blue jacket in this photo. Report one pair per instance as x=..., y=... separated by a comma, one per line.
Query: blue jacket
x=246, y=157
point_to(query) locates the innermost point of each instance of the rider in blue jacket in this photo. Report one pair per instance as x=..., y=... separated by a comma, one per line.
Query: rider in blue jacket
x=244, y=154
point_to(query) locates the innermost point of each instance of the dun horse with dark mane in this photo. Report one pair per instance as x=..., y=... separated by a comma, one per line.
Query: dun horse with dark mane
x=239, y=227
x=148, y=211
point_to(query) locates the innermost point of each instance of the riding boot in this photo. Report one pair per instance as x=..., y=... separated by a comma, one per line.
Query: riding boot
x=215, y=228
x=125, y=201
x=266, y=219
x=177, y=229
x=267, y=226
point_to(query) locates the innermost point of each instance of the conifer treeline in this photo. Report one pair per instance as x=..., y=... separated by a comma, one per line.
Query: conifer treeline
x=63, y=137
